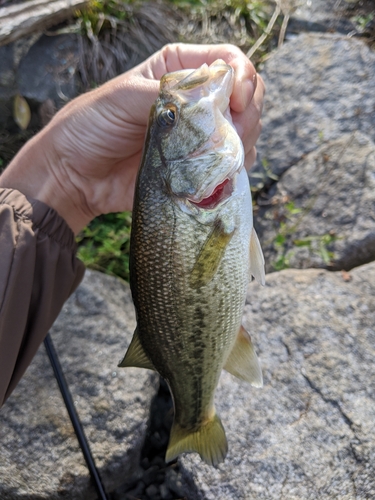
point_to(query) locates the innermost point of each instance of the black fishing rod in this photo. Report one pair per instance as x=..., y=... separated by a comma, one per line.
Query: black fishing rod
x=78, y=429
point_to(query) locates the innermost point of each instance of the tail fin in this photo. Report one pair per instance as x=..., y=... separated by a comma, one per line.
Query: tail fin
x=208, y=440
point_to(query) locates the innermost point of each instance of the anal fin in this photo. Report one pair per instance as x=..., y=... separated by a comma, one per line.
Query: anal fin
x=135, y=355
x=243, y=362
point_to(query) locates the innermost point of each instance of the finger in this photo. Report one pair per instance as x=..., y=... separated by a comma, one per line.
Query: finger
x=246, y=121
x=181, y=56
x=251, y=139
x=250, y=158
x=245, y=84
x=127, y=97
x=177, y=56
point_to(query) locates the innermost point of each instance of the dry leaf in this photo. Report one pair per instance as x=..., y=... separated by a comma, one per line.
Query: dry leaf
x=345, y=275
x=21, y=112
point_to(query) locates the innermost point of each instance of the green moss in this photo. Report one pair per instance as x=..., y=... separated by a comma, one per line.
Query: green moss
x=285, y=242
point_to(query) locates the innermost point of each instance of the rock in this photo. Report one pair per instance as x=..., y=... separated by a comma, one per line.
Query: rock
x=164, y=492
x=321, y=212
x=7, y=75
x=320, y=15
x=309, y=433
x=174, y=483
x=152, y=491
x=10, y=56
x=7, y=85
x=319, y=87
x=39, y=453
x=49, y=70
x=43, y=70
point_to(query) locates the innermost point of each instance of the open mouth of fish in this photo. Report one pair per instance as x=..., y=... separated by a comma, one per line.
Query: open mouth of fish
x=219, y=194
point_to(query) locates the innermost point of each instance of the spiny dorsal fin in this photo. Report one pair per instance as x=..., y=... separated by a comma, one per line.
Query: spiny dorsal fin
x=208, y=440
x=256, y=259
x=135, y=355
x=210, y=256
x=243, y=361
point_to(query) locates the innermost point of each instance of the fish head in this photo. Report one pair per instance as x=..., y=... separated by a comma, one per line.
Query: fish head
x=198, y=144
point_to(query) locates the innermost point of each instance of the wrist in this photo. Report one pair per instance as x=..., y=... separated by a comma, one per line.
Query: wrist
x=33, y=172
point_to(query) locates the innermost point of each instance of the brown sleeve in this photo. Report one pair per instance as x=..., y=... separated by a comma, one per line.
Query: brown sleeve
x=38, y=272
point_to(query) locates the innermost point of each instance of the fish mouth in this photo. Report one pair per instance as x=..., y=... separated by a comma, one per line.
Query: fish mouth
x=220, y=193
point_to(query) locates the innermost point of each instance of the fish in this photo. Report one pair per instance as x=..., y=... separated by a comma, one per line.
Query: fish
x=193, y=252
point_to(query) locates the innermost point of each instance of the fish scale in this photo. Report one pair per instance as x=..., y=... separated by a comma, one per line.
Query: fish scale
x=190, y=259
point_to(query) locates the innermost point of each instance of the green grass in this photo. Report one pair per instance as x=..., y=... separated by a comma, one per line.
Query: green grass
x=99, y=14
x=104, y=244
x=285, y=242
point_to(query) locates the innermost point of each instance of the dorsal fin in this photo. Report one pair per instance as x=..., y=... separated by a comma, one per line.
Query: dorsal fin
x=135, y=355
x=256, y=259
x=243, y=362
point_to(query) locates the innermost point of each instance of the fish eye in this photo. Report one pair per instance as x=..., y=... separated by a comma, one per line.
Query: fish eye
x=167, y=117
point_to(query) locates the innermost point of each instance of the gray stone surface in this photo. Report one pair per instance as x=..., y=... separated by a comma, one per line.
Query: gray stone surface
x=309, y=433
x=7, y=84
x=49, y=70
x=7, y=74
x=321, y=15
x=318, y=88
x=43, y=69
x=323, y=208
x=39, y=454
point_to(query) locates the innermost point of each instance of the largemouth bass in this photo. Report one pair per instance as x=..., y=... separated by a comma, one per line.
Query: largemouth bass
x=193, y=250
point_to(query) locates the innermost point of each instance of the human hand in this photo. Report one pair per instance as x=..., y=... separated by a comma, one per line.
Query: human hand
x=89, y=154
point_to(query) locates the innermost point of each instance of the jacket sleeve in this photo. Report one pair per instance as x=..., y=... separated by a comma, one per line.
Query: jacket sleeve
x=38, y=272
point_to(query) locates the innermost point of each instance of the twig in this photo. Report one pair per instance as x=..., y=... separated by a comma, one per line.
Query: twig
x=283, y=29
x=267, y=31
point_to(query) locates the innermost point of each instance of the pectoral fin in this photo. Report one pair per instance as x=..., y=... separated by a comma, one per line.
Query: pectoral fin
x=210, y=256
x=243, y=361
x=256, y=259
x=135, y=355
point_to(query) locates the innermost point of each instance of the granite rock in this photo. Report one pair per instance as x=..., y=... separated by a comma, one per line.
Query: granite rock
x=320, y=15
x=309, y=432
x=39, y=453
x=43, y=70
x=49, y=70
x=319, y=87
x=322, y=211
x=7, y=85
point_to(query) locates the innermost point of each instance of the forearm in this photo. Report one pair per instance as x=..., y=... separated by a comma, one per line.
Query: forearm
x=38, y=272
